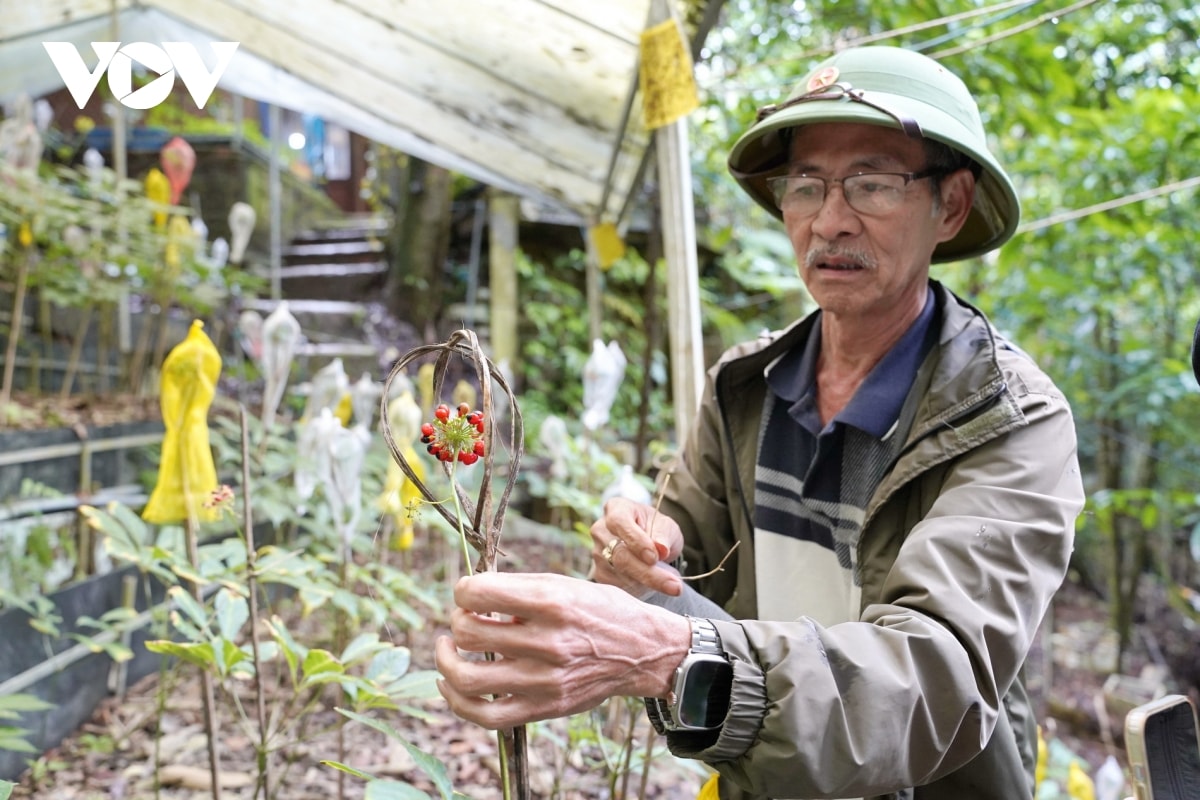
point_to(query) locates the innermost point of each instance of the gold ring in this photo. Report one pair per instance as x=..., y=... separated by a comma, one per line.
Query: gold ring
x=611, y=548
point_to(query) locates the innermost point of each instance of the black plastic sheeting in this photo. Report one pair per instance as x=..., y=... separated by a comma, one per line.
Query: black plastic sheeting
x=78, y=688
x=75, y=690
x=109, y=467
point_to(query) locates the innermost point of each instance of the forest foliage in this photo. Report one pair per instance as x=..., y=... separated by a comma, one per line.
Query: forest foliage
x=1090, y=107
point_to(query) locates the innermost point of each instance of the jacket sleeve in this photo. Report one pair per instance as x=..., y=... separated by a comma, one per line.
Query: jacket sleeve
x=701, y=497
x=912, y=690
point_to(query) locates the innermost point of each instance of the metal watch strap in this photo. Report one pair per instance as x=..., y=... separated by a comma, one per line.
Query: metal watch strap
x=705, y=640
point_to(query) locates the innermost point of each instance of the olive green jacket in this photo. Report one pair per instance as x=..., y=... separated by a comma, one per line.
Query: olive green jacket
x=964, y=543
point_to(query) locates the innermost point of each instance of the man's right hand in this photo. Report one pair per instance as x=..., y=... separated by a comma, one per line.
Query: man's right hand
x=626, y=553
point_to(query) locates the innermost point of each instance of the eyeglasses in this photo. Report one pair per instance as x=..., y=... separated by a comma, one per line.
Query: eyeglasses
x=872, y=193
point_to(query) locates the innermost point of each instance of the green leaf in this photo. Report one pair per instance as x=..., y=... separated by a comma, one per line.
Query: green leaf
x=231, y=655
x=115, y=616
x=187, y=604
x=320, y=666
x=45, y=626
x=6, y=788
x=389, y=665
x=349, y=770
x=188, y=573
x=293, y=652
x=312, y=599
x=115, y=650
x=14, y=739
x=363, y=645
x=393, y=790
x=232, y=613
x=198, y=653
x=435, y=769
x=416, y=685
x=23, y=702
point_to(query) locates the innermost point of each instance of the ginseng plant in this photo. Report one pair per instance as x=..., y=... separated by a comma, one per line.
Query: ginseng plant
x=467, y=437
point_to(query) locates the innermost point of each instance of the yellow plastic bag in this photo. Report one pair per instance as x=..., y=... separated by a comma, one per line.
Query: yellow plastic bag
x=187, y=476
x=399, y=493
x=709, y=790
x=1079, y=783
x=158, y=189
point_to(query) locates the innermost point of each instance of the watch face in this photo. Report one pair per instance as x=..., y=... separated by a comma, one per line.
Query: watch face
x=704, y=699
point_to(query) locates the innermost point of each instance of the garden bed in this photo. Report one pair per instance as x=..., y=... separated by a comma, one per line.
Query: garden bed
x=113, y=753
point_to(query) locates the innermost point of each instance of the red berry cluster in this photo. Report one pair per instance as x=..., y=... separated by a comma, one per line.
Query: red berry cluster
x=448, y=438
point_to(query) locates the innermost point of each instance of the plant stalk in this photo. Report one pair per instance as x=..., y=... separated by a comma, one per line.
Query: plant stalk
x=264, y=763
x=14, y=330
x=650, y=734
x=208, y=696
x=627, y=762
x=76, y=352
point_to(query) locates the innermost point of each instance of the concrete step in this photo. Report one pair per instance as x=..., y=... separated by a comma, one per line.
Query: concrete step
x=338, y=234
x=333, y=281
x=359, y=333
x=360, y=224
x=353, y=250
x=322, y=319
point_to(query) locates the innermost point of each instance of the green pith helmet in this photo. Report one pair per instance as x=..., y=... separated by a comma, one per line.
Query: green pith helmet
x=900, y=89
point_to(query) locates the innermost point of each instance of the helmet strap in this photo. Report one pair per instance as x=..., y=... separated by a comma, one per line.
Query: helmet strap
x=845, y=92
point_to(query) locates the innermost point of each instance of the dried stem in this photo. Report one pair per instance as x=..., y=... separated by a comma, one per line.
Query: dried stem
x=264, y=761
x=662, y=490
x=208, y=696
x=719, y=567
x=477, y=522
x=646, y=761
x=485, y=527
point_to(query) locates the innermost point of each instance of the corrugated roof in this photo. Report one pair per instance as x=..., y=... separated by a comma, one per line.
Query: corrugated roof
x=533, y=96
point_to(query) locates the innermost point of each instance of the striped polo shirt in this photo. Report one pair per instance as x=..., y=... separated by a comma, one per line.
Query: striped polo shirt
x=813, y=482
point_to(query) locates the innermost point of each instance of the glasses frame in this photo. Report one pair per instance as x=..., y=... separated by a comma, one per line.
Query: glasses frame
x=909, y=177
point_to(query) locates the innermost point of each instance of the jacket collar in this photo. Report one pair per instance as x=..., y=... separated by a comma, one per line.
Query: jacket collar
x=958, y=377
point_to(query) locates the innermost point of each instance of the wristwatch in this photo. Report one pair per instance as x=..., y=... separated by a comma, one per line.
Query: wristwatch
x=699, y=697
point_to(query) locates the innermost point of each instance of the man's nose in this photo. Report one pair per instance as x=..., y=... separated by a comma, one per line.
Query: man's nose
x=835, y=218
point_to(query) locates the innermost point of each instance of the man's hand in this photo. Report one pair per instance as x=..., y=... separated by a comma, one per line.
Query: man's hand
x=561, y=645
x=627, y=554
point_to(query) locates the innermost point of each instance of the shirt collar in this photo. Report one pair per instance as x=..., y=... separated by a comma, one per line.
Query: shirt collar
x=876, y=403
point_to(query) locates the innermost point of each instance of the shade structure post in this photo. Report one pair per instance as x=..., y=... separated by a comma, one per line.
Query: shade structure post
x=683, y=276
x=275, y=200
x=504, y=211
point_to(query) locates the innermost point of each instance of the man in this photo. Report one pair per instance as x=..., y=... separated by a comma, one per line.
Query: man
x=900, y=483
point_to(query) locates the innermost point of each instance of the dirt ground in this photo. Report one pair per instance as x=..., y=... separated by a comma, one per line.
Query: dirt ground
x=30, y=412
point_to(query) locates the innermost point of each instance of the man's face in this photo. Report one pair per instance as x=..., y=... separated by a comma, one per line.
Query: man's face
x=864, y=266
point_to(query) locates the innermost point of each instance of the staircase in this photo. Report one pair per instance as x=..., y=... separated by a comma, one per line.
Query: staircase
x=344, y=261
x=328, y=277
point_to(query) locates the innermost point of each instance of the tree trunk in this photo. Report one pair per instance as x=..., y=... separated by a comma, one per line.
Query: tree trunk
x=418, y=242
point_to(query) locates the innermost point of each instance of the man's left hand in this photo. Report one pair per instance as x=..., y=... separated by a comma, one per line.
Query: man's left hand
x=560, y=646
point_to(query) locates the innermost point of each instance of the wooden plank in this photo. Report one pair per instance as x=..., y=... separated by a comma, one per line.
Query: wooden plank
x=410, y=85
x=24, y=18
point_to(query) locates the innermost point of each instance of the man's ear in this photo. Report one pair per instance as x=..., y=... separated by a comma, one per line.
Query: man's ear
x=957, y=194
